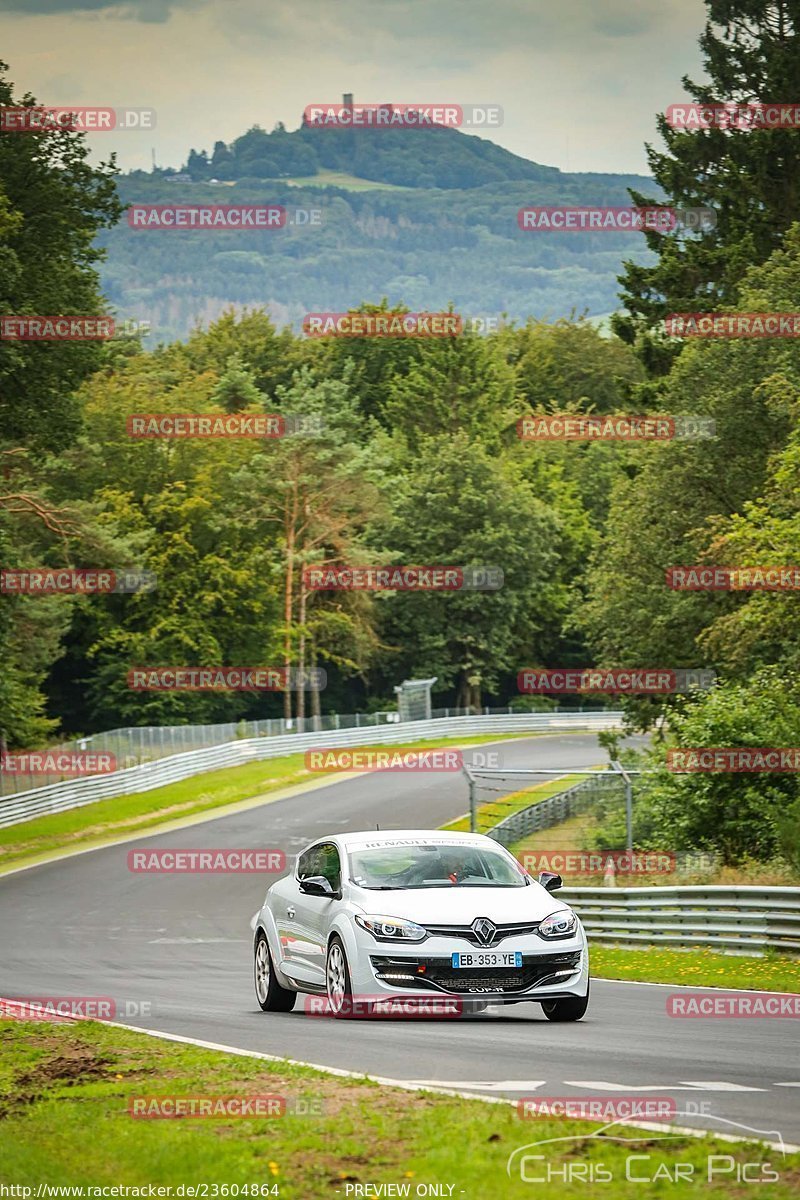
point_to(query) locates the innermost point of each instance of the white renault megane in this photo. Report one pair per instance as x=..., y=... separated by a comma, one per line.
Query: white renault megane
x=372, y=915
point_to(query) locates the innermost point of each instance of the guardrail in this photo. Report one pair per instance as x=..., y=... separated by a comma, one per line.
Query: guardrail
x=137, y=744
x=144, y=778
x=746, y=919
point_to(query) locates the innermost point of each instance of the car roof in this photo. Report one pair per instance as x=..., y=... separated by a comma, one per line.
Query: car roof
x=394, y=837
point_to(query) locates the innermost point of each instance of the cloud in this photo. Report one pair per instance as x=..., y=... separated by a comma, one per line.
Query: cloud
x=153, y=11
x=569, y=76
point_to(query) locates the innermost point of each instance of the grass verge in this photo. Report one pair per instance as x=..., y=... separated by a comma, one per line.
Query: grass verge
x=65, y=1092
x=106, y=820
x=704, y=968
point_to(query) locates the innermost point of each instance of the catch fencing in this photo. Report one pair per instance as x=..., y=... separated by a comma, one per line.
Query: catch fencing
x=145, y=777
x=137, y=744
x=554, y=809
x=741, y=919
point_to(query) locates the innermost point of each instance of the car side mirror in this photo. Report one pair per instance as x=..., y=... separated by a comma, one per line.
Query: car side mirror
x=317, y=885
x=550, y=881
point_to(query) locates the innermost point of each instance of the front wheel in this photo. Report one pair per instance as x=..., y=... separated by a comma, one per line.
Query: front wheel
x=571, y=1008
x=269, y=993
x=337, y=980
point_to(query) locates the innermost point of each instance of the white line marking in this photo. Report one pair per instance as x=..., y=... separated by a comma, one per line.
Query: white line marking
x=688, y=987
x=719, y=1086
x=786, y=1085
x=490, y=1085
x=684, y=1085
x=187, y=941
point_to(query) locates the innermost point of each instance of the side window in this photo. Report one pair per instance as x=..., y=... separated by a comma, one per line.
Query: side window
x=322, y=859
x=329, y=865
x=308, y=864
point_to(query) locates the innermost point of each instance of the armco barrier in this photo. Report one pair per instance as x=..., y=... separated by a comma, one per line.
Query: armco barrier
x=746, y=919
x=74, y=793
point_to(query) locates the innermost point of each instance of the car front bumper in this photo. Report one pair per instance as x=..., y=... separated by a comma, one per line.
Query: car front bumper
x=549, y=970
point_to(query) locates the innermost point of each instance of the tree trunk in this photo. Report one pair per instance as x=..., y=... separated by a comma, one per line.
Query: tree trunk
x=462, y=695
x=288, y=603
x=316, y=713
x=301, y=658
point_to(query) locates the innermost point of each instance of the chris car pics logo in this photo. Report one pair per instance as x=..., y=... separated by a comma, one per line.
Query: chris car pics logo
x=619, y=1152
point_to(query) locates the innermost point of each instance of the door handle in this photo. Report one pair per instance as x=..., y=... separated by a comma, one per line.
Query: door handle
x=290, y=912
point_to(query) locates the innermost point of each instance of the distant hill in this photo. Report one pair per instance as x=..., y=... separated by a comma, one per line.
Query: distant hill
x=387, y=228
x=427, y=158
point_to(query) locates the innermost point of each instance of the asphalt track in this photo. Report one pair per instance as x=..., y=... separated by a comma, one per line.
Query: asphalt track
x=174, y=952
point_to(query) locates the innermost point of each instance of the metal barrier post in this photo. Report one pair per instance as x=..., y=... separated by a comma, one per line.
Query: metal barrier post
x=628, y=804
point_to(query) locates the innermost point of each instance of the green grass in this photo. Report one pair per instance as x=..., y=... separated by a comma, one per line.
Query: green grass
x=65, y=1091
x=104, y=821
x=704, y=968
x=341, y=179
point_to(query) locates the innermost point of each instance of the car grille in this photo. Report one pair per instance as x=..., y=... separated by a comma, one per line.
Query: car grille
x=467, y=933
x=438, y=974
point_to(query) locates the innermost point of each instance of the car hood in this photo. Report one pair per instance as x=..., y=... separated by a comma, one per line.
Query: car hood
x=461, y=905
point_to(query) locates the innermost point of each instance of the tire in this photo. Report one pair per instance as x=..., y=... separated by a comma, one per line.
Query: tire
x=337, y=981
x=571, y=1008
x=269, y=993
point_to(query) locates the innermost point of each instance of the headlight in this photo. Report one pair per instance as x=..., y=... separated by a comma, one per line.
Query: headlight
x=392, y=929
x=561, y=924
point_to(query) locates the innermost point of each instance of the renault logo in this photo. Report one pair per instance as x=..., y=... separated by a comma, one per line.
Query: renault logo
x=484, y=930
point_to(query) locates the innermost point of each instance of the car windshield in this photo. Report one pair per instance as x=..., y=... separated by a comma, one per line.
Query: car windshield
x=432, y=865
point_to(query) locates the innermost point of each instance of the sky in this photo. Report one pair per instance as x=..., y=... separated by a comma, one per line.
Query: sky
x=579, y=81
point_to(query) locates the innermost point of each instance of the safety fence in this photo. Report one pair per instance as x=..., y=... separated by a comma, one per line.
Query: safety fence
x=543, y=814
x=133, y=745
x=142, y=778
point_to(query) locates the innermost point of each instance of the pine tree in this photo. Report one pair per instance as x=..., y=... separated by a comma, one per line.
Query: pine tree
x=750, y=178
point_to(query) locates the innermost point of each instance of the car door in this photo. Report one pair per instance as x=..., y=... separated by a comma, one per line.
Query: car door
x=313, y=914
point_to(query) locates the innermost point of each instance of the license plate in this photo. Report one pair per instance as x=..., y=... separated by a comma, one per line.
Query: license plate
x=487, y=958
